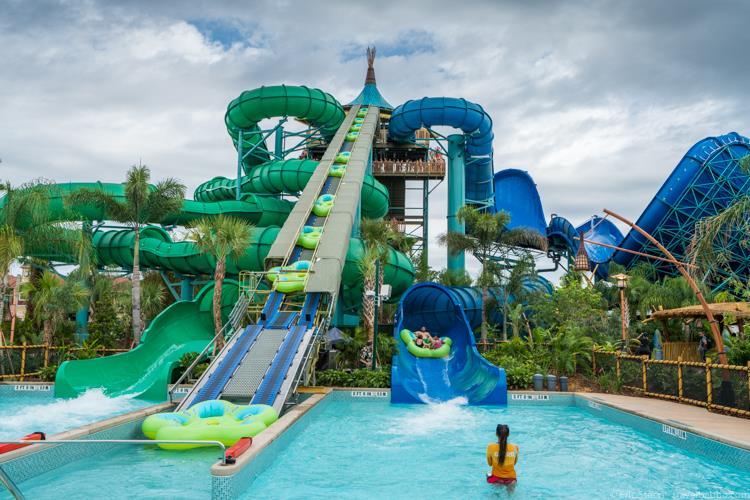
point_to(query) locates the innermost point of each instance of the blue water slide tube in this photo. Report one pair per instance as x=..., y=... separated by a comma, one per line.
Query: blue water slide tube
x=692, y=192
x=467, y=116
x=599, y=230
x=516, y=193
x=463, y=374
x=562, y=237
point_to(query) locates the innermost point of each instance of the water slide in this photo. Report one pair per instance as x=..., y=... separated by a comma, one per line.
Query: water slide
x=183, y=327
x=562, y=237
x=260, y=363
x=516, y=194
x=461, y=114
x=446, y=312
x=707, y=180
x=264, y=179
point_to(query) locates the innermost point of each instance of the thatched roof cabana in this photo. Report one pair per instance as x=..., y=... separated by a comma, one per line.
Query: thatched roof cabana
x=737, y=310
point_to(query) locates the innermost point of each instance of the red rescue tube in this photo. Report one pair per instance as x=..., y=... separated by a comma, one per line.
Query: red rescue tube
x=238, y=449
x=34, y=436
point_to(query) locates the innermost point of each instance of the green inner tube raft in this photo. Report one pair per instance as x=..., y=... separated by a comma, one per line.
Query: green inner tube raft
x=323, y=205
x=289, y=279
x=408, y=337
x=212, y=420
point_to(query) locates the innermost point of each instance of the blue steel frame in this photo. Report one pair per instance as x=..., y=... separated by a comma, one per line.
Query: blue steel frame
x=718, y=183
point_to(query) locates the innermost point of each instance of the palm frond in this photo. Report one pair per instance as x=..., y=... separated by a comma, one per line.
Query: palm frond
x=108, y=206
x=523, y=237
x=457, y=242
x=166, y=198
x=222, y=236
x=710, y=232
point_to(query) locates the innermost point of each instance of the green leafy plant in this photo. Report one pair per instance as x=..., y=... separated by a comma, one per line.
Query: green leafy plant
x=380, y=378
x=88, y=350
x=739, y=351
x=48, y=373
x=185, y=361
x=609, y=382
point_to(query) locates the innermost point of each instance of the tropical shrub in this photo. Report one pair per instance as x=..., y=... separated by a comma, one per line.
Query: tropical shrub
x=355, y=378
x=48, y=373
x=519, y=371
x=739, y=351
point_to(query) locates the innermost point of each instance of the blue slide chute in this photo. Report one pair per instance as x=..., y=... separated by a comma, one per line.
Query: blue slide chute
x=516, y=193
x=562, y=236
x=464, y=373
x=707, y=180
x=467, y=116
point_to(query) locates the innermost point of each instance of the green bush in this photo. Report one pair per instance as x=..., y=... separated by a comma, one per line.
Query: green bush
x=48, y=374
x=609, y=382
x=739, y=351
x=355, y=378
x=519, y=371
x=185, y=361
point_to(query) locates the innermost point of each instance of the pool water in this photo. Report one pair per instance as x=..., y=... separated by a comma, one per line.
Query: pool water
x=355, y=449
x=129, y=472
x=22, y=413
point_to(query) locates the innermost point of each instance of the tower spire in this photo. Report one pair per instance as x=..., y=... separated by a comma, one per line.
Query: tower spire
x=370, y=68
x=370, y=95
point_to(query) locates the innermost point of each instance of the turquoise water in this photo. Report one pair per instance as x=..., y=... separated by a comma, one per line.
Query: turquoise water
x=129, y=472
x=376, y=450
x=22, y=413
x=351, y=449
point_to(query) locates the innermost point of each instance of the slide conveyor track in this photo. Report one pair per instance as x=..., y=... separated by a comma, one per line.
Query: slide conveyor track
x=261, y=363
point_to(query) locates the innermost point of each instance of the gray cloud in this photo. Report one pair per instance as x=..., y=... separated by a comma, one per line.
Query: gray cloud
x=598, y=100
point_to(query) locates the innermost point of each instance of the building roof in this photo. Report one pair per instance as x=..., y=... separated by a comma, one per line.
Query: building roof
x=370, y=95
x=739, y=310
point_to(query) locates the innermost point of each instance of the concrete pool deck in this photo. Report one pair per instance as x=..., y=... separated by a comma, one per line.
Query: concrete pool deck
x=724, y=428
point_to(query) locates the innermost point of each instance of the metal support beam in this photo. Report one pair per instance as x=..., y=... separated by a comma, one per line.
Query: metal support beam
x=456, y=196
x=425, y=220
x=238, y=186
x=170, y=285
x=186, y=288
x=279, y=141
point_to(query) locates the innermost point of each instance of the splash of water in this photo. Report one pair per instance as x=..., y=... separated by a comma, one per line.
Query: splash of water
x=435, y=417
x=58, y=415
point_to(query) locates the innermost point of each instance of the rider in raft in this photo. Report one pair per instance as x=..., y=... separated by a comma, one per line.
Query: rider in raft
x=502, y=457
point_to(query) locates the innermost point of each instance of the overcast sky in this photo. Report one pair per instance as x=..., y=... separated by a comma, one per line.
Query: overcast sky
x=598, y=100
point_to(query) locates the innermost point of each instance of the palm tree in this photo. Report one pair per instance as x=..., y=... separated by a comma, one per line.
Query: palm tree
x=221, y=237
x=486, y=235
x=54, y=300
x=377, y=236
x=734, y=221
x=142, y=203
x=26, y=222
x=513, y=284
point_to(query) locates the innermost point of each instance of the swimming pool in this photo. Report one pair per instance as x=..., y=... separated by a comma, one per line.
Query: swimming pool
x=354, y=449
x=26, y=408
x=128, y=472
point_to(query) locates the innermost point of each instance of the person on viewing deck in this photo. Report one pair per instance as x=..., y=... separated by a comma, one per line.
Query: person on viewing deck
x=502, y=457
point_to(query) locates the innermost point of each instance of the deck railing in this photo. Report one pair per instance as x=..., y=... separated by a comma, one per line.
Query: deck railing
x=716, y=387
x=431, y=168
x=18, y=362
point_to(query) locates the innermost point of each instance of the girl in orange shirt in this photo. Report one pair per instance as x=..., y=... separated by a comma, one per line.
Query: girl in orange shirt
x=502, y=457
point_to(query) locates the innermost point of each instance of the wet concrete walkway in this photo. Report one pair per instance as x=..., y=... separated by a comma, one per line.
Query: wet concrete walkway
x=730, y=430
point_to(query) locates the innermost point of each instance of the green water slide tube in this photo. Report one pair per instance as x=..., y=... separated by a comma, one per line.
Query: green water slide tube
x=183, y=327
x=259, y=210
x=320, y=109
x=158, y=251
x=289, y=176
